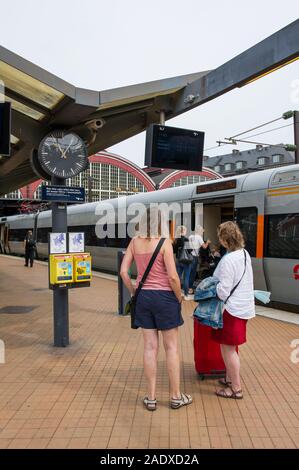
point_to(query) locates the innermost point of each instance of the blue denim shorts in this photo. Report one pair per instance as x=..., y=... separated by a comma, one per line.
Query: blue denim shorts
x=158, y=309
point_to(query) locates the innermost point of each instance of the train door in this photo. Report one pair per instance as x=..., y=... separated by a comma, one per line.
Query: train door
x=249, y=214
x=35, y=234
x=211, y=213
x=2, y=226
x=4, y=243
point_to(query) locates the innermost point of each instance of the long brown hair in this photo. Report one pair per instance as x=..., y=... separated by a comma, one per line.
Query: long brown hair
x=150, y=225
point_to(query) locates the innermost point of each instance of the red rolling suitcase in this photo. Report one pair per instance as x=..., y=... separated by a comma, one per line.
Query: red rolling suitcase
x=207, y=354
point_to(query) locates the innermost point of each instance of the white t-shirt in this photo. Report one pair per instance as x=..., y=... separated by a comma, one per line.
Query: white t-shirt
x=195, y=242
x=229, y=271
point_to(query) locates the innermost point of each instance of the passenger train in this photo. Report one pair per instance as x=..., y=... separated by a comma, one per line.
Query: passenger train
x=265, y=204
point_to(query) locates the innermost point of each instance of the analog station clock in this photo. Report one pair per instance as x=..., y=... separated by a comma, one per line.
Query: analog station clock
x=62, y=154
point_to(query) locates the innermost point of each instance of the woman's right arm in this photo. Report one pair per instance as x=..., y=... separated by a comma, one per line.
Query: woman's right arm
x=173, y=277
x=124, y=269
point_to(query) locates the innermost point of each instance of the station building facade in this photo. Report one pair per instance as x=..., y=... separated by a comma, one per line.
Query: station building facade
x=259, y=158
x=111, y=176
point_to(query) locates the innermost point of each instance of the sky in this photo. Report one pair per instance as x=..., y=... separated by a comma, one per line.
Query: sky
x=99, y=44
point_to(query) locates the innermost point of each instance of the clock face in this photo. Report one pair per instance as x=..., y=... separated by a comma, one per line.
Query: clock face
x=63, y=154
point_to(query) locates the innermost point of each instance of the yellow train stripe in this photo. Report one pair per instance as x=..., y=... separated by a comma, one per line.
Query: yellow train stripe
x=283, y=193
x=286, y=188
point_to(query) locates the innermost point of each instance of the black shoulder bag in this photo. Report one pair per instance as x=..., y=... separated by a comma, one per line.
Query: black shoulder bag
x=131, y=305
x=237, y=285
x=184, y=255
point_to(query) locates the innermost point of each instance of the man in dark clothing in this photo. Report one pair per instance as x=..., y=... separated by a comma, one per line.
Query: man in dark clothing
x=29, y=245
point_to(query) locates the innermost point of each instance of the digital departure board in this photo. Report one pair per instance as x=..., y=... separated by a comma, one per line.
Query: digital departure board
x=5, y=120
x=219, y=186
x=175, y=148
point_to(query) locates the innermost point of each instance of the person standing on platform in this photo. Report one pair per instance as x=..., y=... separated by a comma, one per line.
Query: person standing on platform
x=29, y=246
x=158, y=305
x=196, y=242
x=235, y=288
x=181, y=243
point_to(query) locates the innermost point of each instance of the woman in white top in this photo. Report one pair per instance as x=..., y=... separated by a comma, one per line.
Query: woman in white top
x=196, y=242
x=235, y=267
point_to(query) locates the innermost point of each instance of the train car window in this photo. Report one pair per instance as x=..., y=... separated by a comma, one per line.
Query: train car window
x=42, y=234
x=246, y=218
x=282, y=236
x=91, y=238
x=18, y=234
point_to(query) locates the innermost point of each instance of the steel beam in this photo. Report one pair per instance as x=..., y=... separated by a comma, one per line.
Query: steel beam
x=27, y=129
x=273, y=52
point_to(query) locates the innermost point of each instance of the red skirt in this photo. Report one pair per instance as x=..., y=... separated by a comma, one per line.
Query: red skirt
x=233, y=332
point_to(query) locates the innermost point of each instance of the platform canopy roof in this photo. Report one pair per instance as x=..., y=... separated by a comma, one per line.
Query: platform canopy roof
x=42, y=102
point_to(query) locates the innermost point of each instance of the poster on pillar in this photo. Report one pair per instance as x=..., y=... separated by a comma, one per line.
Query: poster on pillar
x=57, y=242
x=76, y=242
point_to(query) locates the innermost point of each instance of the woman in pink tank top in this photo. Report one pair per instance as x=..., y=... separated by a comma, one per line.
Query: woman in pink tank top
x=158, y=305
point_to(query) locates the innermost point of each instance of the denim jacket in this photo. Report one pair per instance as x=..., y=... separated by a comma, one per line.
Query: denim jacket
x=209, y=309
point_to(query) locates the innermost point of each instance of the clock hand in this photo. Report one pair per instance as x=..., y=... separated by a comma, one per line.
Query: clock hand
x=63, y=154
x=56, y=143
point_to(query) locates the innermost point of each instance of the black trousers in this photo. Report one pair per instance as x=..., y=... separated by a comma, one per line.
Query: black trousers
x=29, y=256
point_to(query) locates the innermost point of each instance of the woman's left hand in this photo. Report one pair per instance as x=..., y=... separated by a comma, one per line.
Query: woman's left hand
x=133, y=292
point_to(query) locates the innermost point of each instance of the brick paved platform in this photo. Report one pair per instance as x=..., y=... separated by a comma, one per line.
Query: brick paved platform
x=89, y=394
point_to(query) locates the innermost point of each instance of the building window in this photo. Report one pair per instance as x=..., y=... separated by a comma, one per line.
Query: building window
x=38, y=192
x=217, y=168
x=189, y=180
x=108, y=182
x=261, y=161
x=14, y=195
x=277, y=158
x=239, y=165
x=228, y=166
x=282, y=236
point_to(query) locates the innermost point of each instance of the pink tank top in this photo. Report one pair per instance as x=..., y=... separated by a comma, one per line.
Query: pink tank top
x=158, y=277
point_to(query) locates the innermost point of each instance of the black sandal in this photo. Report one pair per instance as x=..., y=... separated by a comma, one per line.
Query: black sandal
x=236, y=394
x=226, y=383
x=150, y=405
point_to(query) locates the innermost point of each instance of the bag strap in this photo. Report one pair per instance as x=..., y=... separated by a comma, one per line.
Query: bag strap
x=237, y=285
x=149, y=266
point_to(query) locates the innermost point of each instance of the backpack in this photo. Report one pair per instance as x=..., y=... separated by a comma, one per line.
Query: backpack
x=31, y=243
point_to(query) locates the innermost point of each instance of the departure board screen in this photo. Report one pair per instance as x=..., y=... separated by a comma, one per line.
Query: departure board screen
x=172, y=147
x=5, y=113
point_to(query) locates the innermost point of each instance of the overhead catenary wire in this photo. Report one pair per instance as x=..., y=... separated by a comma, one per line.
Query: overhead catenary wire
x=284, y=116
x=269, y=130
x=257, y=127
